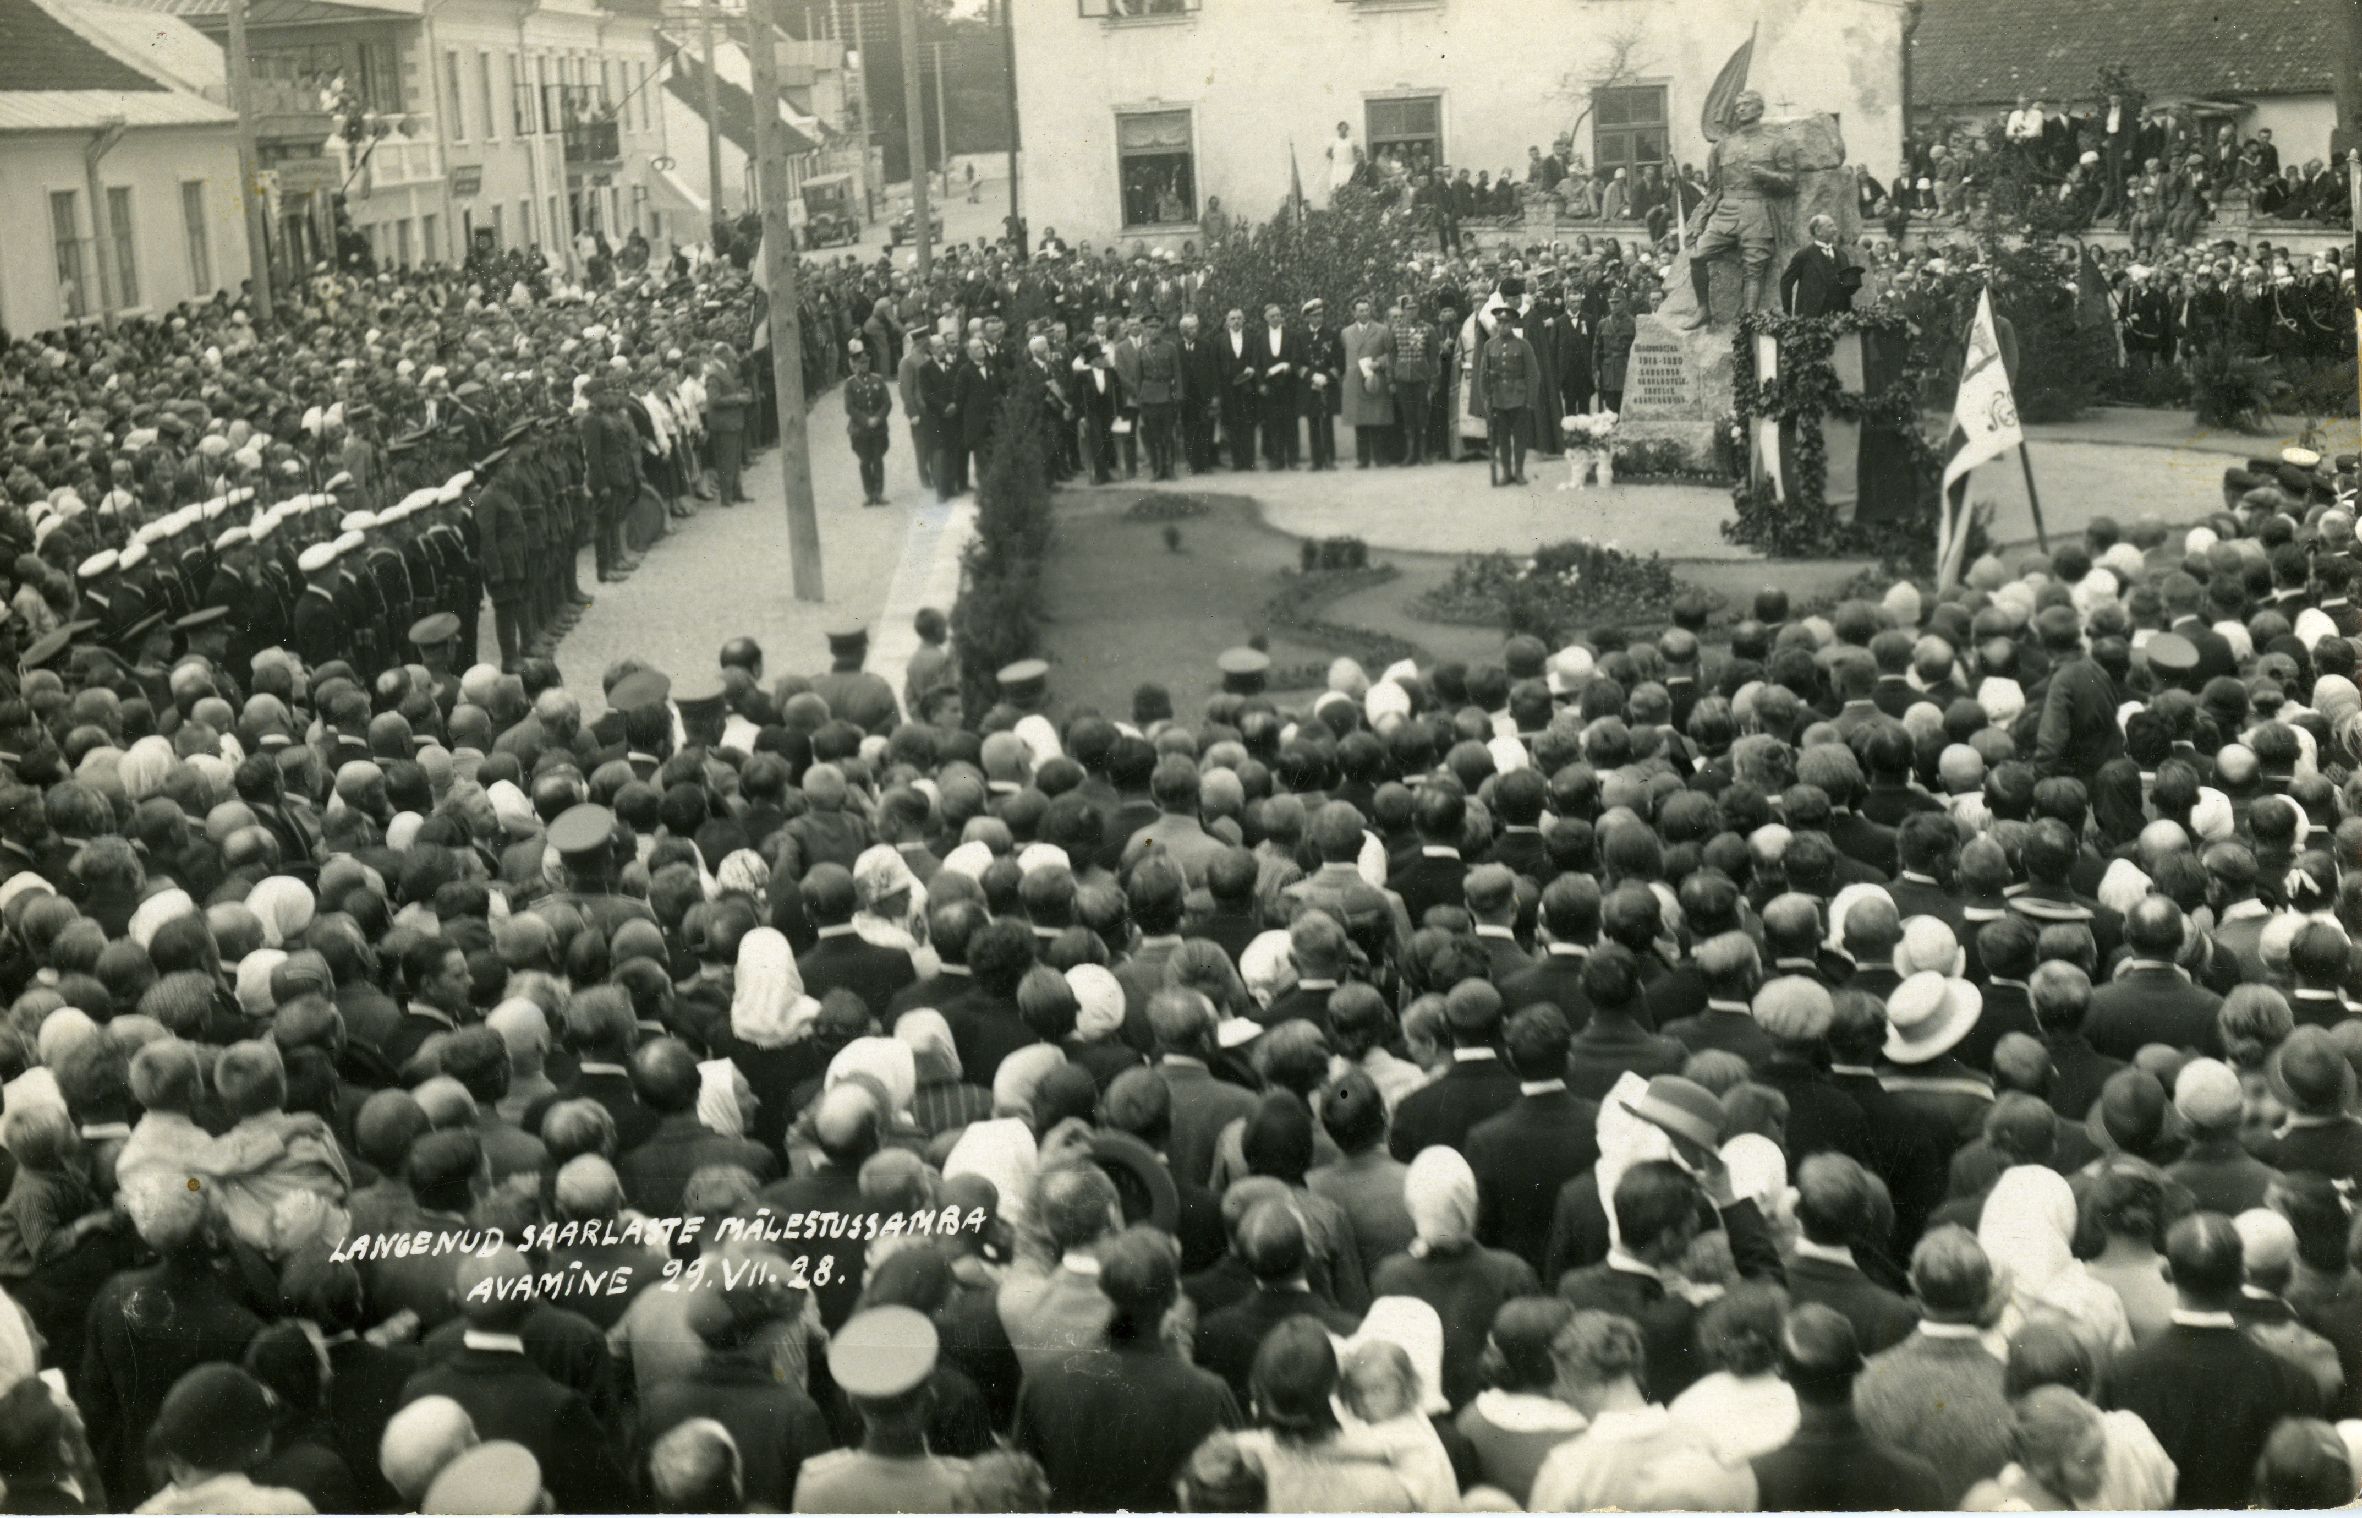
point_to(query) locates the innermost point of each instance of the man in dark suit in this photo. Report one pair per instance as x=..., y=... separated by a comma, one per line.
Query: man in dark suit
x=599, y=1033
x=938, y=397
x=1660, y=1210
x=845, y=1128
x=1323, y=393
x=774, y=1422
x=1183, y=1023
x=1831, y=1463
x=1271, y=1244
x=986, y=1027
x=509, y=1397
x=977, y=389
x=1100, y=394
x=951, y=926
x=1438, y=876
x=1239, y=385
x=1201, y=399
x=1276, y=354
x=1570, y=925
x=1477, y=1086
x=1837, y=1209
x=2210, y=1394
x=2151, y=999
x=843, y=958
x=664, y=1072
x=1545, y=1139
x=1822, y=277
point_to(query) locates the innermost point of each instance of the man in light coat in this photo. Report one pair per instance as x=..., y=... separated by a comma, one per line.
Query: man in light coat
x=1369, y=384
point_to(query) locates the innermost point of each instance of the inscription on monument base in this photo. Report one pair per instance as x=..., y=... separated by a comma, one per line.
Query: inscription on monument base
x=1661, y=383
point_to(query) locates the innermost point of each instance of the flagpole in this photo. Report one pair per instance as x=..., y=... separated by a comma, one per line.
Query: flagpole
x=2033, y=496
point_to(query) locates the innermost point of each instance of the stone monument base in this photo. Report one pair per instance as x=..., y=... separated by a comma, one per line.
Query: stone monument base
x=1677, y=389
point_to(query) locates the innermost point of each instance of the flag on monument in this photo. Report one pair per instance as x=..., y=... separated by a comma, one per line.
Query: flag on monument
x=1295, y=184
x=1984, y=420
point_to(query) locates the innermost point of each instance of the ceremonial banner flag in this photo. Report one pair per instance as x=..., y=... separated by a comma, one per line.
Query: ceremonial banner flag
x=1985, y=422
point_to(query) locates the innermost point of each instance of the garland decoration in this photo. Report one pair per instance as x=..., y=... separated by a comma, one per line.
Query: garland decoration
x=1805, y=392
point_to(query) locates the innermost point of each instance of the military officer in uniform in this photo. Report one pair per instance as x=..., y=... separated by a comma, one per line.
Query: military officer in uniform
x=853, y=693
x=319, y=628
x=869, y=404
x=584, y=837
x=1245, y=671
x=96, y=575
x=434, y=636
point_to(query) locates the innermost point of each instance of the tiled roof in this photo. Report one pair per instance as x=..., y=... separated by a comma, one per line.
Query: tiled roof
x=40, y=53
x=685, y=82
x=71, y=65
x=1985, y=52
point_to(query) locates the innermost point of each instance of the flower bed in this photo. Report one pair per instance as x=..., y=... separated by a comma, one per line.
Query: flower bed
x=1565, y=588
x=1302, y=598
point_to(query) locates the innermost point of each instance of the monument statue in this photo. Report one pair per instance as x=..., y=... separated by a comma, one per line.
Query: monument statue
x=1746, y=172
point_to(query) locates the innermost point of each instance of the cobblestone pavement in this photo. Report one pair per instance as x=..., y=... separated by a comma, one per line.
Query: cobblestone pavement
x=727, y=571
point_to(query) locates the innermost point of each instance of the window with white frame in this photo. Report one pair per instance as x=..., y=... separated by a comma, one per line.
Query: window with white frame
x=198, y=235
x=1156, y=168
x=65, y=235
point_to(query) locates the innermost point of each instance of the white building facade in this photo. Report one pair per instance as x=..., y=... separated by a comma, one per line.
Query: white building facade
x=118, y=175
x=1134, y=110
x=430, y=126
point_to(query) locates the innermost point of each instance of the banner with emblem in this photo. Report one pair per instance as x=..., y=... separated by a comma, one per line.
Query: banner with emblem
x=1985, y=425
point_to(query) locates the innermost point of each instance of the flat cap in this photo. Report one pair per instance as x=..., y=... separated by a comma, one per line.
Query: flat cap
x=441, y=627
x=497, y=1477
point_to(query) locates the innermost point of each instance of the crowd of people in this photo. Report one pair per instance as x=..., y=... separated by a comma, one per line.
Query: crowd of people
x=2160, y=173
x=1865, y=1060
x=1896, y=1058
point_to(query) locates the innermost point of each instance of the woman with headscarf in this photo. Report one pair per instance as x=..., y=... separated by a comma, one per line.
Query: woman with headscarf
x=1392, y=1372
x=1447, y=1269
x=285, y=906
x=942, y=1101
x=770, y=1022
x=1098, y=1021
x=2028, y=1231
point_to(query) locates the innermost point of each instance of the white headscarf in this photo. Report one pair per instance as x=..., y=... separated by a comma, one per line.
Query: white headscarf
x=1439, y=1192
x=717, y=1098
x=1413, y=1326
x=768, y=1007
x=2028, y=1230
x=888, y=1061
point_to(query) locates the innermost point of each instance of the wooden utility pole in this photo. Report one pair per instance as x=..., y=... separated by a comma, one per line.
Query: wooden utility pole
x=1009, y=55
x=870, y=119
x=258, y=243
x=914, y=123
x=787, y=342
x=713, y=123
x=942, y=120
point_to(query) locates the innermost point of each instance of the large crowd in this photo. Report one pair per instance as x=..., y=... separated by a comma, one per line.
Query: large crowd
x=1865, y=1060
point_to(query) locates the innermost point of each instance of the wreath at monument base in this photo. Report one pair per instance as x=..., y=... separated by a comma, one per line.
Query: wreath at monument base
x=1806, y=392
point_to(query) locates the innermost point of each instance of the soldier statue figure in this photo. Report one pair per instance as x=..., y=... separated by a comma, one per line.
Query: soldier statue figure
x=1746, y=171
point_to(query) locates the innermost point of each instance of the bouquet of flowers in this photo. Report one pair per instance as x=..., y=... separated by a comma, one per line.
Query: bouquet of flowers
x=1590, y=445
